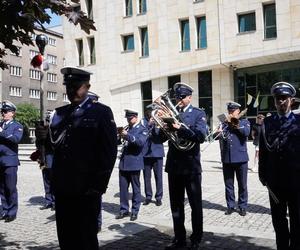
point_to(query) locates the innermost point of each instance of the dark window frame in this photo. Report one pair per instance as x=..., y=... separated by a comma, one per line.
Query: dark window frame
x=247, y=18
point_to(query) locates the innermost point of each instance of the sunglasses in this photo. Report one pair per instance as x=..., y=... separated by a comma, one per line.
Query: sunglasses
x=5, y=111
x=181, y=96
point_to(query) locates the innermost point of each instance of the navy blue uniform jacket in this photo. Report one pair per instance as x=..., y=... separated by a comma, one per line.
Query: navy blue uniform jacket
x=132, y=157
x=234, y=145
x=188, y=162
x=153, y=146
x=85, y=148
x=9, y=138
x=279, y=152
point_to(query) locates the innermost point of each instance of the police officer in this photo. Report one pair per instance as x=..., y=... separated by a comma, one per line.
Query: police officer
x=153, y=159
x=131, y=164
x=84, y=138
x=234, y=156
x=279, y=168
x=184, y=169
x=11, y=133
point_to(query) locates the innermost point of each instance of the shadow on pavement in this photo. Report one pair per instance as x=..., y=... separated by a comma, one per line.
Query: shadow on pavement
x=154, y=238
x=111, y=208
x=36, y=201
x=8, y=245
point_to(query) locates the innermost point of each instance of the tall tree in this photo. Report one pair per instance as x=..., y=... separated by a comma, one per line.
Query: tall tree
x=18, y=18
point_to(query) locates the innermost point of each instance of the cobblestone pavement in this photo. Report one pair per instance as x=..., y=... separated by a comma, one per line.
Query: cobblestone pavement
x=34, y=229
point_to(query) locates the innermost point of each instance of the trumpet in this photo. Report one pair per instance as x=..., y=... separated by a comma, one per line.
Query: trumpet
x=228, y=121
x=120, y=131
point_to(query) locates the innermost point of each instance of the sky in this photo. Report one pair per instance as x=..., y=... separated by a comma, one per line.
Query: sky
x=55, y=20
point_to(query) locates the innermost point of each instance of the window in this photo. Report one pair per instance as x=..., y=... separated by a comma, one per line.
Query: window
x=246, y=22
x=270, y=21
x=171, y=82
x=65, y=98
x=52, y=41
x=144, y=41
x=205, y=92
x=128, y=7
x=91, y=42
x=142, y=8
x=51, y=77
x=15, y=91
x=89, y=8
x=185, y=35
x=146, y=88
x=33, y=53
x=15, y=71
x=34, y=93
x=52, y=96
x=35, y=74
x=201, y=32
x=128, y=43
x=80, y=52
x=52, y=59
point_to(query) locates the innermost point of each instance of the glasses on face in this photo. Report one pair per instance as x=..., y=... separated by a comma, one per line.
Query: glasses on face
x=4, y=111
x=180, y=97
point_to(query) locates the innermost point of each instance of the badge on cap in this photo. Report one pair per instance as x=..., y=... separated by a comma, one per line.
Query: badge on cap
x=74, y=75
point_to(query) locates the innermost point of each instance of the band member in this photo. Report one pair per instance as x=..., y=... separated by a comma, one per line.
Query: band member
x=279, y=170
x=11, y=133
x=184, y=169
x=84, y=138
x=234, y=157
x=153, y=159
x=131, y=164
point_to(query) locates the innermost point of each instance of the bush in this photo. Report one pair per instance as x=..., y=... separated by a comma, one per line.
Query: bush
x=27, y=114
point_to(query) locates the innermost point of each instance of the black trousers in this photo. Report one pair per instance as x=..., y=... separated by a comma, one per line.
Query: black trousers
x=76, y=221
x=287, y=234
x=177, y=186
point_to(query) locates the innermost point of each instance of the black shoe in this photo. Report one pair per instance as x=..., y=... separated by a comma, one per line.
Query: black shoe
x=176, y=244
x=10, y=218
x=133, y=217
x=122, y=215
x=229, y=211
x=195, y=245
x=242, y=212
x=146, y=202
x=158, y=203
x=47, y=206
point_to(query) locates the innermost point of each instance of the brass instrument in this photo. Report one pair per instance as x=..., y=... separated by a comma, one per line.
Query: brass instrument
x=164, y=114
x=119, y=133
x=231, y=122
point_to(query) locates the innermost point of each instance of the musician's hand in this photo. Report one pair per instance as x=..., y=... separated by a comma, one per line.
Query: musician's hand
x=160, y=112
x=41, y=132
x=124, y=133
x=176, y=125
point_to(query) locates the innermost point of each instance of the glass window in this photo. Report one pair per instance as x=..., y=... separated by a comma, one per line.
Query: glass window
x=34, y=93
x=15, y=70
x=146, y=88
x=247, y=22
x=52, y=59
x=205, y=93
x=51, y=96
x=52, y=41
x=89, y=8
x=201, y=32
x=185, y=35
x=80, y=52
x=128, y=43
x=270, y=21
x=142, y=6
x=128, y=7
x=15, y=91
x=91, y=41
x=144, y=41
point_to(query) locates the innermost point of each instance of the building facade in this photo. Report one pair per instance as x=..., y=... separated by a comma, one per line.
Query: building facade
x=225, y=49
x=20, y=83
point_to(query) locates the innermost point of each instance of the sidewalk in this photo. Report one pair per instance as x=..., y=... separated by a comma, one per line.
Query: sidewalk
x=35, y=229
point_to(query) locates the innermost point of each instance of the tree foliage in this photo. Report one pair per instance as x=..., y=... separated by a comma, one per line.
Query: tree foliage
x=18, y=18
x=27, y=114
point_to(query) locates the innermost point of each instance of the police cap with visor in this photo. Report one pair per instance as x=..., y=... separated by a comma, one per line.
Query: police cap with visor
x=283, y=88
x=233, y=105
x=8, y=106
x=130, y=113
x=75, y=76
x=182, y=90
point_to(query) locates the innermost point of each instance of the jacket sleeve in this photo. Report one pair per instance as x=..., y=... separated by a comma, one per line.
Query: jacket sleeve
x=263, y=157
x=198, y=133
x=244, y=128
x=14, y=136
x=139, y=139
x=108, y=151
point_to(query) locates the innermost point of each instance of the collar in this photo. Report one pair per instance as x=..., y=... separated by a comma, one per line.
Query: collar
x=83, y=102
x=186, y=108
x=286, y=115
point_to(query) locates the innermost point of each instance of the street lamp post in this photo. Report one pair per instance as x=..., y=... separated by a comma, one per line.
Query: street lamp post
x=41, y=41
